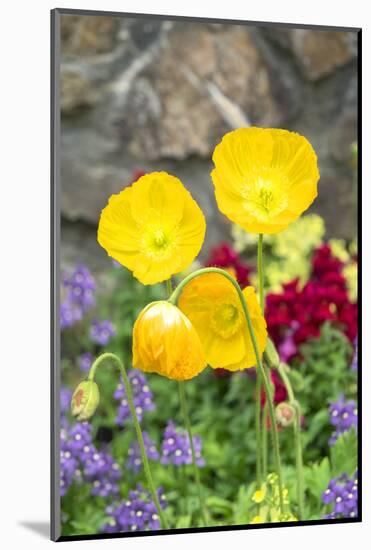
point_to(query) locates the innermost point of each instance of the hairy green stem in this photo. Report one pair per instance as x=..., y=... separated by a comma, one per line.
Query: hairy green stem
x=174, y=298
x=298, y=443
x=169, y=287
x=264, y=428
x=184, y=408
x=187, y=422
x=265, y=443
x=258, y=430
x=118, y=363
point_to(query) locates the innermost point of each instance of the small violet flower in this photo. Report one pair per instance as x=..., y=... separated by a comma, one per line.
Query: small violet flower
x=101, y=332
x=176, y=447
x=142, y=395
x=343, y=416
x=137, y=513
x=342, y=494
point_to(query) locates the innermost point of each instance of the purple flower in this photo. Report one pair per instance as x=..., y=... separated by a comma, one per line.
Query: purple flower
x=70, y=314
x=342, y=495
x=101, y=332
x=176, y=447
x=78, y=436
x=287, y=349
x=85, y=361
x=65, y=399
x=142, y=395
x=137, y=513
x=343, y=415
x=135, y=461
x=80, y=288
x=82, y=461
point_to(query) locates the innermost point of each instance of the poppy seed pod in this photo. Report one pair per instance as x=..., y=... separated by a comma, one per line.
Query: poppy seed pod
x=165, y=342
x=85, y=400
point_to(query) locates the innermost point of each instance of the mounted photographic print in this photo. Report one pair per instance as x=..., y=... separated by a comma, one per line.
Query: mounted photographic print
x=205, y=352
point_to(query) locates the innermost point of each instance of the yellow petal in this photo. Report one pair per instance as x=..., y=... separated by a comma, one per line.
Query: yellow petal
x=154, y=227
x=264, y=178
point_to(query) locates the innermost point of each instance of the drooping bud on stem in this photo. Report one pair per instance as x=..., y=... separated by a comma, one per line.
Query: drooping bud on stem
x=85, y=400
x=285, y=414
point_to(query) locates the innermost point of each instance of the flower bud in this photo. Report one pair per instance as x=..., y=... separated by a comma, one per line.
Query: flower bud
x=285, y=414
x=85, y=400
x=272, y=353
x=165, y=342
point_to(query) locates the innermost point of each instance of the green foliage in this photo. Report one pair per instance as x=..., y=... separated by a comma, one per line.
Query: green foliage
x=222, y=412
x=343, y=454
x=285, y=254
x=318, y=378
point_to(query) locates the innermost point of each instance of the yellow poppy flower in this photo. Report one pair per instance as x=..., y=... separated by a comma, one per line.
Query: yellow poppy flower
x=164, y=341
x=212, y=304
x=154, y=227
x=264, y=178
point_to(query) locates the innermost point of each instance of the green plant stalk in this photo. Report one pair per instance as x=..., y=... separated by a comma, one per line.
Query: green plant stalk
x=258, y=431
x=187, y=422
x=174, y=298
x=169, y=287
x=117, y=361
x=298, y=443
x=265, y=443
x=264, y=428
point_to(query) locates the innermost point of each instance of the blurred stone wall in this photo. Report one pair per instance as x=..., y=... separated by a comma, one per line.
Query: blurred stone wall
x=142, y=94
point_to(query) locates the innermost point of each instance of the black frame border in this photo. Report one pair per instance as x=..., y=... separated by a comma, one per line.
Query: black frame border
x=55, y=132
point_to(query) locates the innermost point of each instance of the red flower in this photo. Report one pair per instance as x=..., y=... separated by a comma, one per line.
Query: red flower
x=298, y=314
x=280, y=392
x=226, y=257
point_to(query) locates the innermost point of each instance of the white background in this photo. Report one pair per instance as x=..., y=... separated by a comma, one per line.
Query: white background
x=24, y=286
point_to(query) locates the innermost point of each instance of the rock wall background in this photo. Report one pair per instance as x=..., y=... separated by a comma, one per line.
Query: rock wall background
x=146, y=94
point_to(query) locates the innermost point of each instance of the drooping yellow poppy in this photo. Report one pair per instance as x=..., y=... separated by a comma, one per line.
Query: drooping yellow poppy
x=264, y=178
x=154, y=227
x=164, y=341
x=212, y=305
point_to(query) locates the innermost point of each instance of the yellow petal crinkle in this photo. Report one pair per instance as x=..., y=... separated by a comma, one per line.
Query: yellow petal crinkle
x=165, y=342
x=154, y=227
x=264, y=178
x=212, y=305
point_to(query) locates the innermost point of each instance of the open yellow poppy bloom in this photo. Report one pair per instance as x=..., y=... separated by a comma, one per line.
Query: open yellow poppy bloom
x=212, y=304
x=164, y=341
x=154, y=227
x=264, y=178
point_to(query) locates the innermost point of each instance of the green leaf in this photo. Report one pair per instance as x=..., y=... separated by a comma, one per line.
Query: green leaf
x=343, y=454
x=317, y=477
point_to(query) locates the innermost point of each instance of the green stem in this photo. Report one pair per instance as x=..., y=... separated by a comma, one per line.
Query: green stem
x=183, y=403
x=258, y=432
x=264, y=429
x=169, y=287
x=129, y=394
x=298, y=443
x=261, y=273
x=173, y=299
x=265, y=443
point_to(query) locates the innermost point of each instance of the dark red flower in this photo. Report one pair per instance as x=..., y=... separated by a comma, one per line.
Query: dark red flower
x=296, y=314
x=280, y=392
x=226, y=257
